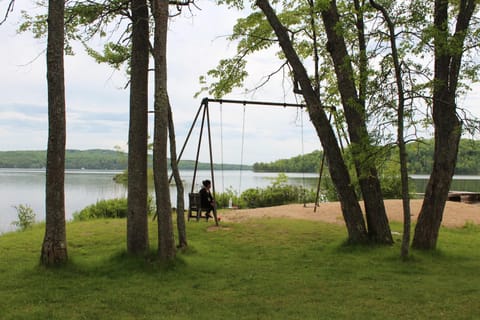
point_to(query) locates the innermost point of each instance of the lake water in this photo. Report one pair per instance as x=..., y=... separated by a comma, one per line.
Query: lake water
x=459, y=183
x=85, y=187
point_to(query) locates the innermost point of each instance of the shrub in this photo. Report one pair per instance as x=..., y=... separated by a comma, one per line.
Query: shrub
x=222, y=199
x=112, y=208
x=277, y=194
x=26, y=217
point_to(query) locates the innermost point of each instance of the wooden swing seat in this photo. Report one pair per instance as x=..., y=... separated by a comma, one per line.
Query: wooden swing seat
x=195, y=207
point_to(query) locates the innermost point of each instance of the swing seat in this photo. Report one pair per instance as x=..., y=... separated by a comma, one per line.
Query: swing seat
x=195, y=207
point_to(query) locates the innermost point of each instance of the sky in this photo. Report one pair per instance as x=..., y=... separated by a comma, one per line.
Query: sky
x=97, y=102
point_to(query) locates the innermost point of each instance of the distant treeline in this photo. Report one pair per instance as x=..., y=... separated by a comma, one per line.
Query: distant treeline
x=95, y=159
x=310, y=162
x=74, y=159
x=420, y=159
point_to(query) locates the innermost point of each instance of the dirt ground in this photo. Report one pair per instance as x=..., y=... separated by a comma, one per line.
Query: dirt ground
x=456, y=214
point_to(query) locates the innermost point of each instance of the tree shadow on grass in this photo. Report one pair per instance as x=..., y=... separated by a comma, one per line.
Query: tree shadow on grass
x=118, y=265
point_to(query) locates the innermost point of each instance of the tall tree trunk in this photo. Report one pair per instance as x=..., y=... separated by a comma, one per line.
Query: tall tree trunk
x=377, y=221
x=137, y=221
x=448, y=128
x=181, y=226
x=54, y=248
x=400, y=130
x=166, y=241
x=352, y=213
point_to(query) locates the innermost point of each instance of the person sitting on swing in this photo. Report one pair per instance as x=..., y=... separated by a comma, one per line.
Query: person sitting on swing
x=206, y=199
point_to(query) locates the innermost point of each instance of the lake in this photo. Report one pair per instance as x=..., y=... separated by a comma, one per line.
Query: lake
x=85, y=187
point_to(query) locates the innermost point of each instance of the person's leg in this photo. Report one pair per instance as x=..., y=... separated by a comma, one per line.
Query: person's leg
x=207, y=214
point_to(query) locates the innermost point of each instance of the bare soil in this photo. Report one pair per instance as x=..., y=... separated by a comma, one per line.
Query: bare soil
x=456, y=214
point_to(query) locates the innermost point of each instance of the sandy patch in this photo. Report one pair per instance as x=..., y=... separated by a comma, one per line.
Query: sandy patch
x=456, y=214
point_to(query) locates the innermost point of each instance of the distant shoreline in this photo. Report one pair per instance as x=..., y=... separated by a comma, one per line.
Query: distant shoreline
x=94, y=159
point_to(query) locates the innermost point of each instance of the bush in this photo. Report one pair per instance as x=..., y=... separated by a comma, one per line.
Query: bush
x=112, y=208
x=277, y=194
x=223, y=199
x=26, y=217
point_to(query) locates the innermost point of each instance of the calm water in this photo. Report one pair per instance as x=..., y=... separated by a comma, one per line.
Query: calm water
x=459, y=183
x=85, y=187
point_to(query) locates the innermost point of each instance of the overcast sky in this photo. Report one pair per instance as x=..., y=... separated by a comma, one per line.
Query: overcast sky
x=97, y=103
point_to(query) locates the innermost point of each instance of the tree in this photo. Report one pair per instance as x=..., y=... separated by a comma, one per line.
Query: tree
x=370, y=70
x=355, y=115
x=402, y=152
x=137, y=220
x=89, y=19
x=181, y=226
x=84, y=21
x=116, y=54
x=449, y=49
x=54, y=247
x=166, y=242
x=164, y=124
x=352, y=102
x=350, y=208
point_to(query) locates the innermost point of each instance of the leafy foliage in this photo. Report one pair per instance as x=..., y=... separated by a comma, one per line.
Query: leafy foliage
x=85, y=21
x=26, y=217
x=112, y=208
x=222, y=199
x=278, y=193
x=114, y=54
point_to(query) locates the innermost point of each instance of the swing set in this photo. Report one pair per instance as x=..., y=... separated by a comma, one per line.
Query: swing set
x=195, y=209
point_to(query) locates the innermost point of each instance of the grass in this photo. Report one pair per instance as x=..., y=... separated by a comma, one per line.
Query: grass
x=261, y=269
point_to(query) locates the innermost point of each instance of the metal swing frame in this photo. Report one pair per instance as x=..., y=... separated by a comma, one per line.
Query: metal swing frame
x=203, y=109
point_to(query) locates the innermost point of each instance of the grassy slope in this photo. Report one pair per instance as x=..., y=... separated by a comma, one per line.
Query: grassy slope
x=262, y=269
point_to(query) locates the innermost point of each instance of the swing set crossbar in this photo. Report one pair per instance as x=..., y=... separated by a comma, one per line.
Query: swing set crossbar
x=258, y=103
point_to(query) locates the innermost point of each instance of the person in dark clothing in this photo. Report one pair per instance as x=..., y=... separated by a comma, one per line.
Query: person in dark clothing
x=206, y=199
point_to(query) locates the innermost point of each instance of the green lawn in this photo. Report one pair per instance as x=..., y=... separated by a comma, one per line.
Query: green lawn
x=261, y=269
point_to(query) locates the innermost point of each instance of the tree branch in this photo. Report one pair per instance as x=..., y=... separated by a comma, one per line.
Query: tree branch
x=9, y=9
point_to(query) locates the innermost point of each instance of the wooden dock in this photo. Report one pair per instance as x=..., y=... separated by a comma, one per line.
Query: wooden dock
x=464, y=196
